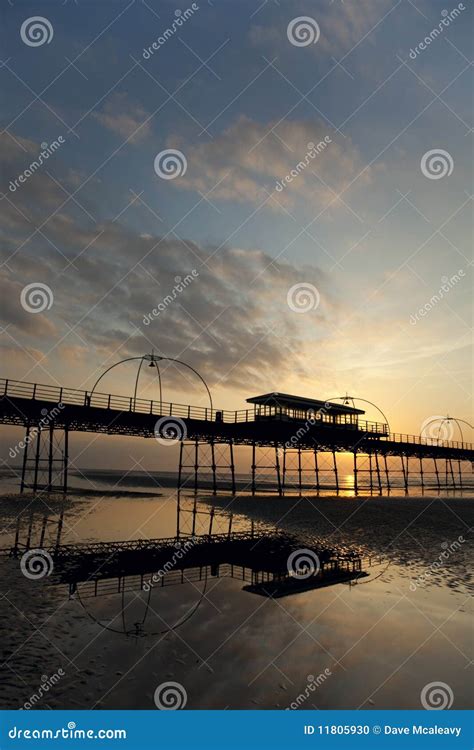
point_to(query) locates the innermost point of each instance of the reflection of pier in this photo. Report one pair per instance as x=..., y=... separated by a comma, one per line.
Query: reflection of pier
x=294, y=440
x=271, y=563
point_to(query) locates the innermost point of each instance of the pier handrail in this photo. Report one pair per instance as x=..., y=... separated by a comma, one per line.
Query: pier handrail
x=74, y=397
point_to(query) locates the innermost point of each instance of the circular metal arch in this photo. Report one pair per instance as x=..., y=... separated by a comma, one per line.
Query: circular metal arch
x=357, y=398
x=447, y=418
x=154, y=359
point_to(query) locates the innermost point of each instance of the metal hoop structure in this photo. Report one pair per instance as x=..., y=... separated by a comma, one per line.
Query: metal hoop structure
x=446, y=419
x=366, y=401
x=153, y=359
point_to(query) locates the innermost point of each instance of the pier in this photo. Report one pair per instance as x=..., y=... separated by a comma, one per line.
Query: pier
x=294, y=439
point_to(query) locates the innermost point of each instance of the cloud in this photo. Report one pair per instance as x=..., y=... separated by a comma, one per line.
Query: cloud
x=249, y=158
x=342, y=25
x=124, y=117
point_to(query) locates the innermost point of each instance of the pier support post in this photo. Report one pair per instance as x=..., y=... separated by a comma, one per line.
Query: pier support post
x=356, y=488
x=316, y=469
x=387, y=475
x=405, y=471
x=25, y=458
x=379, y=479
x=336, y=475
x=277, y=468
x=437, y=474
x=254, y=467
x=232, y=464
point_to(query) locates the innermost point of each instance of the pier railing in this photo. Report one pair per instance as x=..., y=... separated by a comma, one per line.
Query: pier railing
x=74, y=397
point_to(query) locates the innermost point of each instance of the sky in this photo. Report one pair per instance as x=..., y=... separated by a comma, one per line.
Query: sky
x=183, y=176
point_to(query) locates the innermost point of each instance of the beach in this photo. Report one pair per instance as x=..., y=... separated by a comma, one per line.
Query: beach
x=373, y=644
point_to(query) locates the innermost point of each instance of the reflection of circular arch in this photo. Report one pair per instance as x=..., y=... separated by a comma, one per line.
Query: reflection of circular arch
x=447, y=418
x=366, y=401
x=153, y=359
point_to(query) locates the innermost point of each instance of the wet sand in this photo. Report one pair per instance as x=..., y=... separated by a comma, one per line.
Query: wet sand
x=381, y=640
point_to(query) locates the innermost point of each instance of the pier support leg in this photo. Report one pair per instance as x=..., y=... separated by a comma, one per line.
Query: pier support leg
x=336, y=475
x=356, y=487
x=65, y=458
x=387, y=475
x=405, y=472
x=316, y=469
x=232, y=465
x=196, y=464
x=300, y=478
x=437, y=474
x=421, y=474
x=180, y=468
x=460, y=472
x=379, y=478
x=277, y=468
x=254, y=467
x=25, y=458
x=37, y=459
x=213, y=468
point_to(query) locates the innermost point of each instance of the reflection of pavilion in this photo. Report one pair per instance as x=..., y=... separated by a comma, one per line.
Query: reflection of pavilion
x=269, y=562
